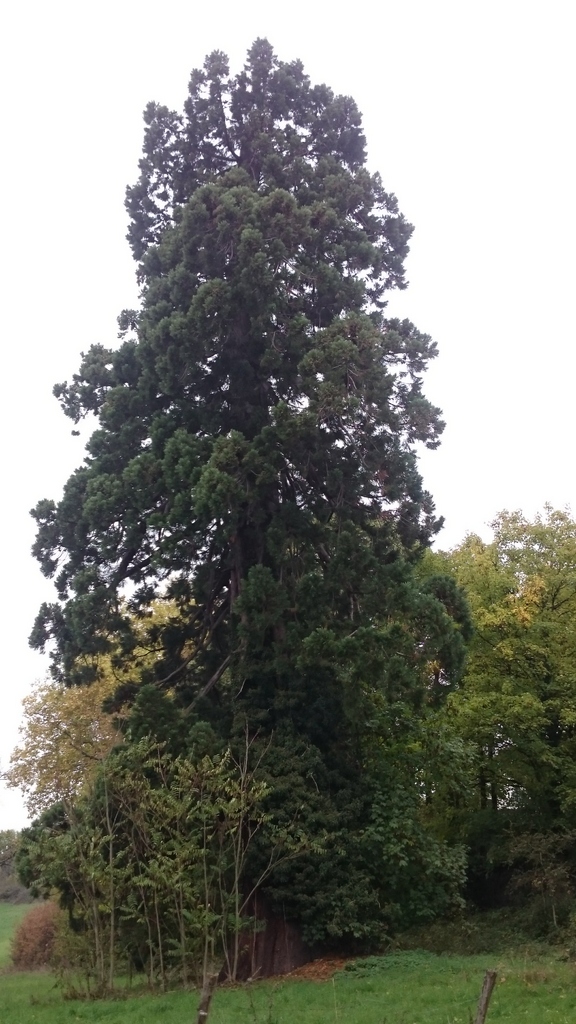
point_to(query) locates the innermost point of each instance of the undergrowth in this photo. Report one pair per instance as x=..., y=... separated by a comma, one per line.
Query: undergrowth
x=508, y=930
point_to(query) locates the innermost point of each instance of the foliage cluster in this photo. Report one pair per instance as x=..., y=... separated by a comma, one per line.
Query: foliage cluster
x=515, y=710
x=150, y=865
x=33, y=942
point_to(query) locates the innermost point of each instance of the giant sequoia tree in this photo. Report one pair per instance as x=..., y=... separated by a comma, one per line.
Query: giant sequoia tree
x=254, y=463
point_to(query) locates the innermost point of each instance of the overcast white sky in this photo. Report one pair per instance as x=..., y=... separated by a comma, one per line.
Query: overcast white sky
x=469, y=113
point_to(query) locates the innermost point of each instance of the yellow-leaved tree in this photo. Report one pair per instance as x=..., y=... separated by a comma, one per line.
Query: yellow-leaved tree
x=65, y=734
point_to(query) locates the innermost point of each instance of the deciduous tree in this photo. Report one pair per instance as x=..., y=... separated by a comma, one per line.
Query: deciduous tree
x=516, y=707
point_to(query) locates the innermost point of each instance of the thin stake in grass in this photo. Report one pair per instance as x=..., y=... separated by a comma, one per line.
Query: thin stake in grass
x=485, y=996
x=335, y=1000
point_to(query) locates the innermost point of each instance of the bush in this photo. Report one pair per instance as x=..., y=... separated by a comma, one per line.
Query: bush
x=33, y=942
x=74, y=962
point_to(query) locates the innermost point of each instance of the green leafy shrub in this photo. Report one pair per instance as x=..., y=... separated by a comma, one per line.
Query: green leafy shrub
x=411, y=959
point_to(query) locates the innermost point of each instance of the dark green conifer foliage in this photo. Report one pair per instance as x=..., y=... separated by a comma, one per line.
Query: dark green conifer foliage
x=254, y=459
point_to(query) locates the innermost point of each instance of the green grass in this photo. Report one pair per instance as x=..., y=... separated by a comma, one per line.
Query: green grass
x=10, y=916
x=409, y=988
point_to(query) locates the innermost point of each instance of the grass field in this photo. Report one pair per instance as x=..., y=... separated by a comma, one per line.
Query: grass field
x=10, y=916
x=443, y=990
x=403, y=988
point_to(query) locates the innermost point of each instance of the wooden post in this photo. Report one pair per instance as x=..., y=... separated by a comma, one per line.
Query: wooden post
x=206, y=997
x=485, y=995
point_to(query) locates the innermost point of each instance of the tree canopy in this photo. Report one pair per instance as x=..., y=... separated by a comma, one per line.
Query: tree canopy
x=518, y=695
x=264, y=414
x=515, y=708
